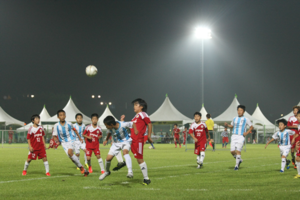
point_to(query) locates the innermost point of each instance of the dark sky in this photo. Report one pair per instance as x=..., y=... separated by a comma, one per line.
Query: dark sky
x=146, y=49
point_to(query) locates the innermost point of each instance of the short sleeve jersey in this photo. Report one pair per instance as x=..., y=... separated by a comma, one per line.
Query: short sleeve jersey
x=141, y=120
x=94, y=133
x=35, y=135
x=121, y=134
x=210, y=124
x=240, y=125
x=199, y=131
x=224, y=134
x=284, y=137
x=293, y=121
x=176, y=132
x=80, y=129
x=64, y=132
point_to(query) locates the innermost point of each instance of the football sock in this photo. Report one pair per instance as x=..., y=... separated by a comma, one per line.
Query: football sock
x=26, y=165
x=100, y=161
x=213, y=144
x=237, y=160
x=85, y=159
x=89, y=162
x=225, y=144
x=222, y=144
x=234, y=156
x=283, y=162
x=298, y=167
x=202, y=156
x=128, y=162
x=144, y=169
x=198, y=158
x=107, y=166
x=119, y=157
x=76, y=161
x=175, y=143
x=46, y=164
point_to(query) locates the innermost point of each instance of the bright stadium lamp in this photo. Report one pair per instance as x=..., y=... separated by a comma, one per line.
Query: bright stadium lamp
x=202, y=33
x=109, y=103
x=101, y=103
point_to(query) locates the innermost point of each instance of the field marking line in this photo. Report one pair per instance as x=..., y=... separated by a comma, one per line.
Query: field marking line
x=96, y=188
x=32, y=179
x=197, y=190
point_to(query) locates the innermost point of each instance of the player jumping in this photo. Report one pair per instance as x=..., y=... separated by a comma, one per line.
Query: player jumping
x=122, y=142
x=37, y=145
x=239, y=133
x=283, y=135
x=198, y=131
x=63, y=133
x=93, y=133
x=175, y=133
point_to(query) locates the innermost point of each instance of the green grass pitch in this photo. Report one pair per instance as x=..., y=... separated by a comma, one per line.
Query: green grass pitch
x=172, y=171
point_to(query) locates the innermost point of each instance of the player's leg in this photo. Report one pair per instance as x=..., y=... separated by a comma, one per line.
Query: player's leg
x=74, y=158
x=179, y=142
x=137, y=148
x=293, y=150
x=77, y=150
x=107, y=166
x=297, y=159
x=211, y=133
x=27, y=162
x=46, y=164
x=126, y=149
x=175, y=142
x=100, y=161
x=88, y=158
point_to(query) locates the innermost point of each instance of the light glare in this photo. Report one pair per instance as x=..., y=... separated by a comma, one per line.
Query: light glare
x=203, y=33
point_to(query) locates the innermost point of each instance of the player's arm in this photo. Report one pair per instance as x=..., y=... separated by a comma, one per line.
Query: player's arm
x=135, y=129
x=88, y=137
x=194, y=138
x=106, y=139
x=30, y=147
x=269, y=142
x=228, y=125
x=100, y=136
x=149, y=133
x=44, y=142
x=75, y=130
x=249, y=131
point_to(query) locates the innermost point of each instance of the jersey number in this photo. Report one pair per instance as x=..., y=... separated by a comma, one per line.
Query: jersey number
x=38, y=139
x=198, y=134
x=93, y=139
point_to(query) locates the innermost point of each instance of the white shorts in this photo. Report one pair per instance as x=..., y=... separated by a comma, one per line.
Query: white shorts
x=68, y=145
x=78, y=146
x=237, y=142
x=285, y=150
x=117, y=147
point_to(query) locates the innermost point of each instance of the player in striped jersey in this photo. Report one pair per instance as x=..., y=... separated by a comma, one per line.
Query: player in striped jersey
x=239, y=125
x=63, y=133
x=283, y=135
x=80, y=127
x=224, y=136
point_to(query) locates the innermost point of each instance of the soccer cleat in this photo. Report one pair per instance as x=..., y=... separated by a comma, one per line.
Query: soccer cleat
x=293, y=161
x=24, y=173
x=102, y=172
x=179, y=146
x=297, y=176
x=199, y=167
x=281, y=171
x=102, y=176
x=295, y=167
x=146, y=182
x=87, y=166
x=130, y=175
x=86, y=173
x=119, y=166
x=82, y=170
x=48, y=174
x=236, y=168
x=90, y=169
x=287, y=167
x=78, y=168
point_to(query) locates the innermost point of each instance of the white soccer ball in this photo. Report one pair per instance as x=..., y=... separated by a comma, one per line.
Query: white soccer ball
x=150, y=147
x=91, y=70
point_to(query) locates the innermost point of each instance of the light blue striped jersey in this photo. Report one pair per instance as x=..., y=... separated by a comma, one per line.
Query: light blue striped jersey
x=64, y=133
x=284, y=137
x=239, y=125
x=121, y=134
x=224, y=134
x=80, y=129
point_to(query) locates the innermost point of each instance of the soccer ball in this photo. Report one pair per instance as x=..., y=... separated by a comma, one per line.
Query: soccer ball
x=150, y=147
x=91, y=70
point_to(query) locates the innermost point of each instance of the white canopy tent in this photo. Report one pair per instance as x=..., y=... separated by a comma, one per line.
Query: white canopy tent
x=8, y=120
x=44, y=115
x=286, y=117
x=257, y=114
x=71, y=110
x=106, y=113
x=231, y=112
x=203, y=113
x=168, y=113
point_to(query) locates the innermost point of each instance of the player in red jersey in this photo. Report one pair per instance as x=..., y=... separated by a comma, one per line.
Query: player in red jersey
x=141, y=122
x=293, y=125
x=36, y=143
x=184, y=135
x=93, y=133
x=298, y=148
x=198, y=131
x=175, y=133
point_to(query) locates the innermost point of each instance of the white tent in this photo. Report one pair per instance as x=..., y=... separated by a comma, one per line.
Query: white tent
x=231, y=112
x=44, y=115
x=288, y=115
x=257, y=114
x=106, y=113
x=71, y=110
x=203, y=113
x=167, y=113
x=8, y=120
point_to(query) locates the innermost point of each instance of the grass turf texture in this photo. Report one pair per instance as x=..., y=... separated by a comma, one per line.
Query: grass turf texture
x=172, y=171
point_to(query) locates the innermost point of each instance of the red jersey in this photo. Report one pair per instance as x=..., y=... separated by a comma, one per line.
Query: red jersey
x=199, y=131
x=141, y=120
x=293, y=122
x=184, y=134
x=176, y=132
x=35, y=135
x=94, y=133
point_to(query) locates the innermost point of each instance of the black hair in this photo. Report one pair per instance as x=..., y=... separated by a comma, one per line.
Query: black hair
x=197, y=113
x=59, y=111
x=282, y=121
x=296, y=107
x=34, y=116
x=78, y=114
x=242, y=107
x=109, y=120
x=208, y=116
x=175, y=124
x=94, y=115
x=142, y=103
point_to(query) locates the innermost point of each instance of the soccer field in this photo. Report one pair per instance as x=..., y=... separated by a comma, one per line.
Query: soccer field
x=172, y=171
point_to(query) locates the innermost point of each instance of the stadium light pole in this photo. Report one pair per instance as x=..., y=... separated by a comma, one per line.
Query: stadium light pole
x=202, y=33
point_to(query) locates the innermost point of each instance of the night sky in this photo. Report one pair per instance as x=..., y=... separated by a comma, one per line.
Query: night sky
x=147, y=49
